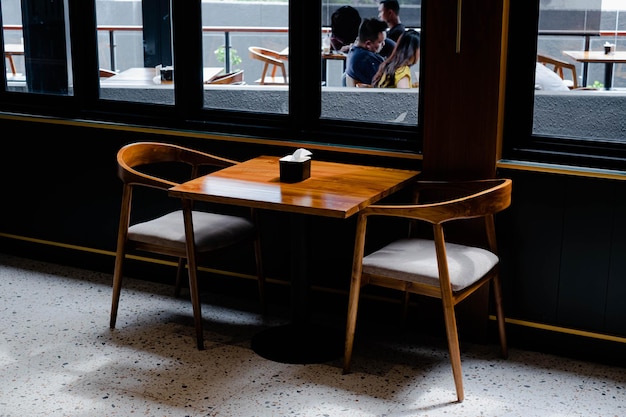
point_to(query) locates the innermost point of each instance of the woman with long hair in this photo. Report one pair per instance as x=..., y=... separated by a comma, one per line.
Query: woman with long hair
x=395, y=71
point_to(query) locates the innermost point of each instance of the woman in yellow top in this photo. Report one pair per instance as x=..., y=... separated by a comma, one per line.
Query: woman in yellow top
x=395, y=71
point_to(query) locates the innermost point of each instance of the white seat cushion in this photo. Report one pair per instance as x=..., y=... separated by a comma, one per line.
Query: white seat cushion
x=211, y=230
x=415, y=260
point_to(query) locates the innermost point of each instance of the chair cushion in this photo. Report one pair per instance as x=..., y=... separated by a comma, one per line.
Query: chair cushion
x=211, y=231
x=415, y=260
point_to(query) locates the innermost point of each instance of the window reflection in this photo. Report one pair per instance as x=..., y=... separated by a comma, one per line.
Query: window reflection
x=571, y=35
x=134, y=51
x=386, y=105
x=37, y=56
x=260, y=76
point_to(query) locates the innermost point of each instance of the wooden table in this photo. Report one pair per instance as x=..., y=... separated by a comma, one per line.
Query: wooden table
x=330, y=56
x=10, y=50
x=140, y=76
x=333, y=190
x=609, y=60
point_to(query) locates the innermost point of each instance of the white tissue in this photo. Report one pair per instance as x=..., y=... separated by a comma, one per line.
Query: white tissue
x=300, y=155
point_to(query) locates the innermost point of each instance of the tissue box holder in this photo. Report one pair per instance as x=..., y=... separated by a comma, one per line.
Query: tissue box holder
x=295, y=171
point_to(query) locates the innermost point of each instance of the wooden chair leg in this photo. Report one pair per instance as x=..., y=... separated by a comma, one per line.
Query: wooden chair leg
x=405, y=306
x=353, y=307
x=264, y=73
x=12, y=64
x=117, y=289
x=497, y=295
x=180, y=273
x=454, y=347
x=192, y=267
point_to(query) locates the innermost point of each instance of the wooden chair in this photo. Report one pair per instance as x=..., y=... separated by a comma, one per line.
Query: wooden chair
x=272, y=61
x=142, y=166
x=351, y=82
x=558, y=66
x=432, y=266
x=106, y=73
x=233, y=77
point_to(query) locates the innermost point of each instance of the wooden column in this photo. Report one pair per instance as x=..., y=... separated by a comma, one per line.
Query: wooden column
x=464, y=66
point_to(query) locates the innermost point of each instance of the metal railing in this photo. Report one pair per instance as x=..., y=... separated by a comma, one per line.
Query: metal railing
x=228, y=30
x=586, y=35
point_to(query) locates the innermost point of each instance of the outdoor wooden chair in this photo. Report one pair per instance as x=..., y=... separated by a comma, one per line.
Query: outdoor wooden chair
x=431, y=266
x=233, y=77
x=106, y=73
x=272, y=62
x=160, y=166
x=558, y=66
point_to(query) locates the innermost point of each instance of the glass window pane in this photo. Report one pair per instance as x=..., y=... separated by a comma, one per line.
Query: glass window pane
x=134, y=51
x=37, y=53
x=229, y=31
x=580, y=92
x=341, y=101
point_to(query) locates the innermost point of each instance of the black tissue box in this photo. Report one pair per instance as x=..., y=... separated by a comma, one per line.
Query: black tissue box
x=295, y=171
x=167, y=74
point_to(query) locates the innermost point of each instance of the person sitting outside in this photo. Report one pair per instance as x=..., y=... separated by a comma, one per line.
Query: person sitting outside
x=364, y=57
x=389, y=12
x=344, y=28
x=395, y=71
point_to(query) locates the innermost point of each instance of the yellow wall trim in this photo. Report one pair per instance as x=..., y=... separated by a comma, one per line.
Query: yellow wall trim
x=205, y=135
x=524, y=323
x=561, y=169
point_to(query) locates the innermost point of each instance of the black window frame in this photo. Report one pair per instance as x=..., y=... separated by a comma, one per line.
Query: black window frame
x=519, y=142
x=302, y=123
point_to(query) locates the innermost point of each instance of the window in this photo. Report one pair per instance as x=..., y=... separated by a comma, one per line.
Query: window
x=251, y=39
x=569, y=32
x=108, y=57
x=583, y=124
x=36, y=47
x=393, y=106
x=134, y=48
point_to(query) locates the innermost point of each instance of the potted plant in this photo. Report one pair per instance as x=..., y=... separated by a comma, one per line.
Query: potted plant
x=220, y=54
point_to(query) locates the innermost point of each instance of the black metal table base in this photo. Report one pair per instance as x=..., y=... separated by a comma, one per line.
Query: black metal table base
x=301, y=343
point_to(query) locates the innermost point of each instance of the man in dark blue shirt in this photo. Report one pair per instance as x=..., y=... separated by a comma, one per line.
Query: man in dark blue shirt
x=364, y=57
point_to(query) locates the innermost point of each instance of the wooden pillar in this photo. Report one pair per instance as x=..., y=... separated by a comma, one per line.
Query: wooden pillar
x=464, y=67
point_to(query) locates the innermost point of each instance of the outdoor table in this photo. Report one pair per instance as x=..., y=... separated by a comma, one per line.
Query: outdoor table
x=149, y=76
x=609, y=60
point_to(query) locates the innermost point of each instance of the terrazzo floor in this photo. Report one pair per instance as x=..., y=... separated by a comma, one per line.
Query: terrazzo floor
x=58, y=357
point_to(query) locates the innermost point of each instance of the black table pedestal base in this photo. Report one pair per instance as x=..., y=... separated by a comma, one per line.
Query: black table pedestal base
x=299, y=343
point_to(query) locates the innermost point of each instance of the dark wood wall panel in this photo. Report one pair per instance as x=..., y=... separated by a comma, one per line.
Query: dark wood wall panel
x=615, y=312
x=585, y=253
x=531, y=233
x=563, y=244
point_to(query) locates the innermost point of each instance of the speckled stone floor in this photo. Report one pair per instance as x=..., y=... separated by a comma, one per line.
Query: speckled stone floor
x=58, y=357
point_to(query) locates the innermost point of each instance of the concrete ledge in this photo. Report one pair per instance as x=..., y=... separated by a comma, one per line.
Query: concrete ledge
x=595, y=114
x=581, y=114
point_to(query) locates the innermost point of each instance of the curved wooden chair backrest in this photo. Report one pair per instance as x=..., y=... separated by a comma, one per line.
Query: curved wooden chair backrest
x=558, y=66
x=106, y=73
x=269, y=58
x=134, y=155
x=234, y=77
